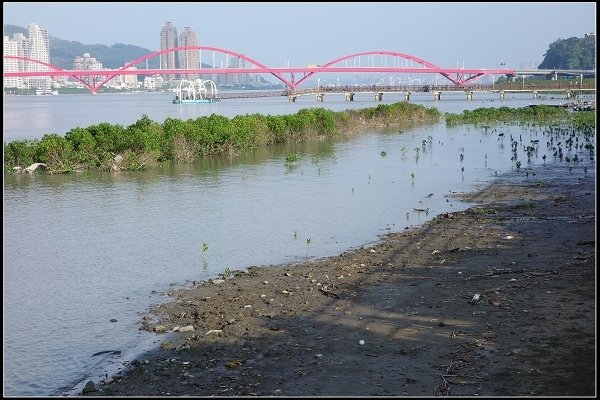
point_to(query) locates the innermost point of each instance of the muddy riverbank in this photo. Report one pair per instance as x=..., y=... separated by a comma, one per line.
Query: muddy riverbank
x=498, y=300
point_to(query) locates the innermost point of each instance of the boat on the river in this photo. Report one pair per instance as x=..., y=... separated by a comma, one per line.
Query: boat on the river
x=44, y=92
x=188, y=92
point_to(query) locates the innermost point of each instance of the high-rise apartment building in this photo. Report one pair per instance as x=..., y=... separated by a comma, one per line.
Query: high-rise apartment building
x=38, y=48
x=168, y=40
x=188, y=59
x=13, y=47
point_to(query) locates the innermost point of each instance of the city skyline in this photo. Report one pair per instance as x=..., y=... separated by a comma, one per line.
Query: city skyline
x=297, y=34
x=34, y=46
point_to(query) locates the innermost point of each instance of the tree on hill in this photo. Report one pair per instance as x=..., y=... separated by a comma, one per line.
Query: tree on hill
x=571, y=53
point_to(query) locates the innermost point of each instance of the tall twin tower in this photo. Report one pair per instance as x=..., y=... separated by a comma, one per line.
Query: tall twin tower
x=186, y=59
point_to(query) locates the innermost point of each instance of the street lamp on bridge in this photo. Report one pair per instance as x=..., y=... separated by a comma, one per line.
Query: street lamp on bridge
x=502, y=64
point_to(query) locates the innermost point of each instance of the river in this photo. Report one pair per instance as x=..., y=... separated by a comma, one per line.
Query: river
x=86, y=254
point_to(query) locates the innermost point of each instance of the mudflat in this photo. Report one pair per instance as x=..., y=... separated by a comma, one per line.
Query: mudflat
x=497, y=300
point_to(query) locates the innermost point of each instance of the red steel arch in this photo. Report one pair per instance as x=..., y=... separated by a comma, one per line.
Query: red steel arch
x=458, y=77
x=182, y=48
x=384, y=52
x=54, y=68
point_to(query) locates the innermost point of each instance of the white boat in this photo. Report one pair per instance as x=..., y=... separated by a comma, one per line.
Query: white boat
x=43, y=92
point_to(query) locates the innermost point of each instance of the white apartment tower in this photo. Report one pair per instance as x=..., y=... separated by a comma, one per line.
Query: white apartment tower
x=38, y=48
x=188, y=59
x=14, y=47
x=168, y=40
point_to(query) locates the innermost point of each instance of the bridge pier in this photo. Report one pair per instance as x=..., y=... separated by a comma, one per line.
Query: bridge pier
x=535, y=94
x=320, y=96
x=407, y=96
x=292, y=98
x=569, y=94
x=378, y=96
x=349, y=96
x=437, y=95
x=502, y=95
x=469, y=96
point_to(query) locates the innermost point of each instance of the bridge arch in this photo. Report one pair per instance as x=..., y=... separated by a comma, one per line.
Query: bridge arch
x=54, y=68
x=182, y=48
x=383, y=52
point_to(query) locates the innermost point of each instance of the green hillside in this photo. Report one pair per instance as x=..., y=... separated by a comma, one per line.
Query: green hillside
x=63, y=52
x=571, y=53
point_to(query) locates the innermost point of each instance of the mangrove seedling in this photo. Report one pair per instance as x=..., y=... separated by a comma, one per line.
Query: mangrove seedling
x=307, y=246
x=204, y=247
x=383, y=153
x=292, y=157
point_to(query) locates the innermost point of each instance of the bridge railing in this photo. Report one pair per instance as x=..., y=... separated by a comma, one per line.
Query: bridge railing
x=545, y=85
x=542, y=85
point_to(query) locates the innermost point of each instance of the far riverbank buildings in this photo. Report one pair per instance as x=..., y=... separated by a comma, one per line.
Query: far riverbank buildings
x=192, y=59
x=37, y=47
x=168, y=40
x=189, y=59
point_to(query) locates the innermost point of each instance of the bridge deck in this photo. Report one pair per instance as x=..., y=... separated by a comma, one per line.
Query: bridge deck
x=495, y=88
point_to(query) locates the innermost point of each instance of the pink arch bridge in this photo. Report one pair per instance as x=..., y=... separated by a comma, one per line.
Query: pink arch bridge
x=458, y=76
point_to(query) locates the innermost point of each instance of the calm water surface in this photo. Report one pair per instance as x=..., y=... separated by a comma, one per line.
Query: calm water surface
x=30, y=117
x=80, y=250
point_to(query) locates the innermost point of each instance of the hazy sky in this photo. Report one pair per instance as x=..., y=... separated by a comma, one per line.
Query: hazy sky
x=482, y=35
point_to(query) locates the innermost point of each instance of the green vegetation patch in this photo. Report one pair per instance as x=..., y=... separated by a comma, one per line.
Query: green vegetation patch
x=147, y=143
x=484, y=116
